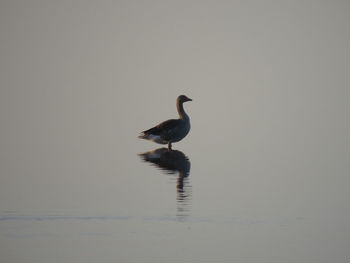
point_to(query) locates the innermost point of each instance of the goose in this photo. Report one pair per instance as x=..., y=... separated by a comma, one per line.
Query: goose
x=173, y=130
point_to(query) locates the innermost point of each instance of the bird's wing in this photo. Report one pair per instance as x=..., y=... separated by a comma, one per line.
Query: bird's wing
x=168, y=125
x=164, y=129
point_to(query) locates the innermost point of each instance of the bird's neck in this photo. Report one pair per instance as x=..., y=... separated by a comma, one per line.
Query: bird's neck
x=181, y=111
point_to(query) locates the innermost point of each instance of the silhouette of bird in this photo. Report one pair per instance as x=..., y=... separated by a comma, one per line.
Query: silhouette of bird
x=173, y=130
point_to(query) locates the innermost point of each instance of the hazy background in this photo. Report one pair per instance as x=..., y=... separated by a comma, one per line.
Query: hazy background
x=269, y=145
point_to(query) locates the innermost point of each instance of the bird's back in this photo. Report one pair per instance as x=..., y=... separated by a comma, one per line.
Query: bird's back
x=168, y=131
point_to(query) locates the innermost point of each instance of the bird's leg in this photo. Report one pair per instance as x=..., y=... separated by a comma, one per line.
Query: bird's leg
x=169, y=146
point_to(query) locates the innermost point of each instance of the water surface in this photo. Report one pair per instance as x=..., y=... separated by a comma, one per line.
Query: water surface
x=263, y=175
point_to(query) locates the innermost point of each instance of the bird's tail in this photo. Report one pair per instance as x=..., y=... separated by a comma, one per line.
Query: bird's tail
x=148, y=136
x=142, y=135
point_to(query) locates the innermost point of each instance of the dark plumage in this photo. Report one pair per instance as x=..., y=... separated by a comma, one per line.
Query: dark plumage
x=173, y=130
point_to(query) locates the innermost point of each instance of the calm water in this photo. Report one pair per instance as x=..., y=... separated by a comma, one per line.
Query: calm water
x=263, y=175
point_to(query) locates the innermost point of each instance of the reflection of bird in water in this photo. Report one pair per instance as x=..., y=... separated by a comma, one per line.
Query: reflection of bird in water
x=172, y=161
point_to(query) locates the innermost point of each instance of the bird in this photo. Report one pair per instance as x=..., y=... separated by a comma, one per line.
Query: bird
x=173, y=130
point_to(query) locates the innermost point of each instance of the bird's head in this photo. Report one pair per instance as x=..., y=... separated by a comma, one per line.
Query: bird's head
x=183, y=98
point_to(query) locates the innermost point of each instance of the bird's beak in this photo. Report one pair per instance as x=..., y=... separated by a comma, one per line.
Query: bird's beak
x=188, y=99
